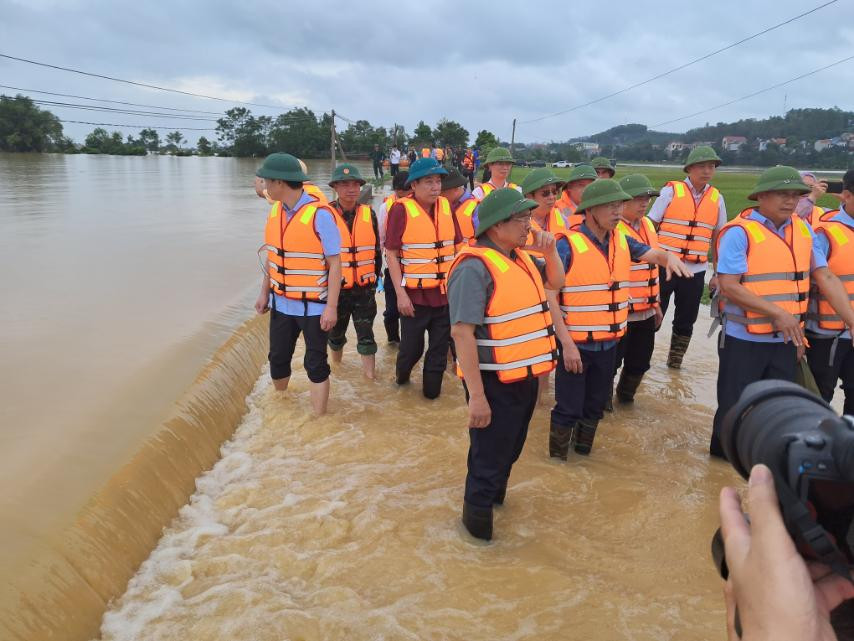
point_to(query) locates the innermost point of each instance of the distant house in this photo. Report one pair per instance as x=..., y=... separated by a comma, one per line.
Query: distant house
x=763, y=144
x=589, y=148
x=733, y=143
x=821, y=145
x=847, y=136
x=674, y=147
x=704, y=143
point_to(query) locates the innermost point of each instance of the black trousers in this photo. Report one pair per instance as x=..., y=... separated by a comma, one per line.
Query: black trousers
x=826, y=373
x=394, y=170
x=495, y=448
x=634, y=351
x=390, y=315
x=687, y=293
x=378, y=170
x=284, y=332
x=583, y=396
x=436, y=322
x=742, y=363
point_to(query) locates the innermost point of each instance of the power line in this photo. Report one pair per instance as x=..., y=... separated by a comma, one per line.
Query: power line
x=139, y=84
x=113, y=124
x=127, y=112
x=680, y=67
x=115, y=102
x=756, y=93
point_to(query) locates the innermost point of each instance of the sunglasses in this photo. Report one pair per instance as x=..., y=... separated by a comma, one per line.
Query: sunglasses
x=549, y=192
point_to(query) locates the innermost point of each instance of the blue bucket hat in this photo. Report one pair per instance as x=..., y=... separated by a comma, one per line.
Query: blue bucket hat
x=424, y=167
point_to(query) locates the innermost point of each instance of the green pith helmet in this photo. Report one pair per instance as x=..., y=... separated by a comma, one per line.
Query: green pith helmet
x=346, y=171
x=499, y=206
x=498, y=154
x=424, y=167
x=538, y=179
x=581, y=172
x=779, y=178
x=600, y=162
x=637, y=185
x=601, y=192
x=281, y=166
x=703, y=153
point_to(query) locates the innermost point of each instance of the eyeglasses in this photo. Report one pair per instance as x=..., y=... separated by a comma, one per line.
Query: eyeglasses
x=521, y=218
x=545, y=193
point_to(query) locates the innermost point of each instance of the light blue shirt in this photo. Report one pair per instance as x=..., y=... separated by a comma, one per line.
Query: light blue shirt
x=732, y=259
x=330, y=238
x=822, y=247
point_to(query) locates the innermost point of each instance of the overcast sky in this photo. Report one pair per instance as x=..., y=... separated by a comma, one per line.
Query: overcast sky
x=480, y=63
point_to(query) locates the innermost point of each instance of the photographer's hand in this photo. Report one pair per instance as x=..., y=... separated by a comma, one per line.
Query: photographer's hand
x=778, y=596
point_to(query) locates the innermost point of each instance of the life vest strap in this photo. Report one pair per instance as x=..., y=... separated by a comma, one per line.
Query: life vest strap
x=599, y=287
x=693, y=237
x=638, y=267
x=759, y=278
x=534, y=360
x=285, y=254
x=615, y=327
x=610, y=307
x=646, y=299
x=687, y=223
x=528, y=311
x=762, y=320
x=686, y=252
x=523, y=338
x=846, y=278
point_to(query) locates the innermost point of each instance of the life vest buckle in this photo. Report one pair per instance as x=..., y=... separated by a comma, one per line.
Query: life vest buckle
x=613, y=307
x=613, y=287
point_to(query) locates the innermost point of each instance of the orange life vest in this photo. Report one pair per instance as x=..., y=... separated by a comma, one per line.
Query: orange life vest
x=565, y=204
x=643, y=294
x=815, y=216
x=440, y=154
x=488, y=188
x=358, y=249
x=840, y=261
x=427, y=247
x=555, y=223
x=464, y=215
x=295, y=259
x=468, y=162
x=595, y=295
x=778, y=270
x=686, y=228
x=425, y=152
x=314, y=190
x=517, y=320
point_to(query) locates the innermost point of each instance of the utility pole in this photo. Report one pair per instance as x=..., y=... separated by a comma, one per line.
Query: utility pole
x=513, y=137
x=332, y=138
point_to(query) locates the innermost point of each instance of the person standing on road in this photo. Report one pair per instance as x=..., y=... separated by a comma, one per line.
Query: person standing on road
x=394, y=160
x=689, y=215
x=303, y=279
x=505, y=342
x=377, y=158
x=391, y=315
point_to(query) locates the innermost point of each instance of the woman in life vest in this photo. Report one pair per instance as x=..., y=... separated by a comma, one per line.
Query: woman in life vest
x=505, y=341
x=499, y=162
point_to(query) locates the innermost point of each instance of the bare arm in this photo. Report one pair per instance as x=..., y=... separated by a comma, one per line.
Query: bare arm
x=480, y=414
x=404, y=305
x=784, y=322
x=330, y=313
x=671, y=264
x=262, y=302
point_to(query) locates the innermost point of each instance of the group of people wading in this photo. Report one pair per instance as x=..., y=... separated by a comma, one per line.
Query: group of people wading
x=572, y=276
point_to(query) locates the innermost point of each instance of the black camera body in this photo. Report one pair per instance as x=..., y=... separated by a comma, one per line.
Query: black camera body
x=810, y=451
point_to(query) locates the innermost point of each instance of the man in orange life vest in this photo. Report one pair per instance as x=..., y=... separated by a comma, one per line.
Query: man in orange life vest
x=505, y=340
x=767, y=257
x=391, y=315
x=361, y=265
x=634, y=350
x=593, y=313
x=689, y=214
x=830, y=354
x=463, y=204
x=308, y=187
x=303, y=247
x=420, y=243
x=576, y=183
x=499, y=162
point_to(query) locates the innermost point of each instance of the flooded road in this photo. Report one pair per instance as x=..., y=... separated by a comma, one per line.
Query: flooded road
x=348, y=526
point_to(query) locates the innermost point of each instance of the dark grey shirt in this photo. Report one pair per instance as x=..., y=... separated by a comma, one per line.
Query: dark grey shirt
x=470, y=288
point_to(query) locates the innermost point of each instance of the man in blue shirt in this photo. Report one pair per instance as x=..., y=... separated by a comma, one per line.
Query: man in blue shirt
x=292, y=316
x=585, y=370
x=831, y=354
x=748, y=353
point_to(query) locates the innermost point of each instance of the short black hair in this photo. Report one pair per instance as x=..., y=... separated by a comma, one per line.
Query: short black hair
x=399, y=180
x=848, y=181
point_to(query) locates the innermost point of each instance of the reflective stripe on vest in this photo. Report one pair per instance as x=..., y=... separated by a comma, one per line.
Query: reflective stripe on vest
x=686, y=225
x=644, y=290
x=595, y=295
x=295, y=260
x=840, y=261
x=520, y=336
x=777, y=269
x=427, y=247
x=358, y=248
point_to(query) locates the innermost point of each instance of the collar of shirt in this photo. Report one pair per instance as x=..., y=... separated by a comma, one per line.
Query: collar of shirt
x=466, y=196
x=780, y=231
x=347, y=214
x=696, y=194
x=844, y=217
x=304, y=199
x=484, y=241
x=603, y=245
x=636, y=224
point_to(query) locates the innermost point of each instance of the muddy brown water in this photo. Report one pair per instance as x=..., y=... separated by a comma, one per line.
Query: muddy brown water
x=345, y=526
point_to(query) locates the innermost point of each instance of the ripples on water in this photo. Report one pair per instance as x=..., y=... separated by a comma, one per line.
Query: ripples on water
x=347, y=526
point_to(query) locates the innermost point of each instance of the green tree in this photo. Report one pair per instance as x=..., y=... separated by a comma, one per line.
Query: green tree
x=485, y=140
x=203, y=146
x=150, y=139
x=25, y=127
x=100, y=141
x=361, y=136
x=175, y=138
x=242, y=134
x=450, y=133
x=300, y=133
x=422, y=134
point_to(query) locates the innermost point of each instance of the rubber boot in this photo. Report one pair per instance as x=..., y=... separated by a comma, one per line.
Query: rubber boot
x=499, y=496
x=392, y=330
x=609, y=404
x=431, y=384
x=627, y=386
x=560, y=438
x=401, y=378
x=584, y=435
x=678, y=347
x=478, y=521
